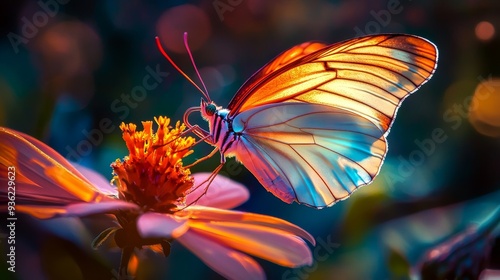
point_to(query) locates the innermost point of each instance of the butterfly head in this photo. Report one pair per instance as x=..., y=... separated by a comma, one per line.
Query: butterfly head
x=208, y=109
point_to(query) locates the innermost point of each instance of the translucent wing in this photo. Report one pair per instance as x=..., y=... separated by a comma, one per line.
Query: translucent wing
x=311, y=153
x=368, y=76
x=312, y=122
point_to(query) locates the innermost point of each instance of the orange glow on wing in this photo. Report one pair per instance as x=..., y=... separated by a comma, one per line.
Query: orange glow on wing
x=369, y=75
x=281, y=61
x=289, y=85
x=290, y=56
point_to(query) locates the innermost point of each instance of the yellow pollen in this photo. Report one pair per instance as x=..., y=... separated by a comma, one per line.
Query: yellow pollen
x=152, y=175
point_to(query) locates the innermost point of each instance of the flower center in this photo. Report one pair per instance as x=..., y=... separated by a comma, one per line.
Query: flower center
x=152, y=175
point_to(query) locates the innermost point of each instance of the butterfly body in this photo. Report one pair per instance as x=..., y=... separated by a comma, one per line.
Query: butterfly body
x=311, y=125
x=220, y=125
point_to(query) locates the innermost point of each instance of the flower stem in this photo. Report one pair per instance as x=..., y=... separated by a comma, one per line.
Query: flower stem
x=126, y=255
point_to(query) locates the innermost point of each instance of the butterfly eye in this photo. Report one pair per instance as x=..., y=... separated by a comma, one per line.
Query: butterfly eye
x=210, y=109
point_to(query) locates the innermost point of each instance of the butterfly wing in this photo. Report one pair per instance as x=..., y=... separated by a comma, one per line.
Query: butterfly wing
x=335, y=105
x=311, y=153
x=278, y=62
x=369, y=76
x=282, y=60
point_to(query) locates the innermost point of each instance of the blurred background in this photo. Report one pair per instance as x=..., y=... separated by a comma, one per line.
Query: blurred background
x=70, y=68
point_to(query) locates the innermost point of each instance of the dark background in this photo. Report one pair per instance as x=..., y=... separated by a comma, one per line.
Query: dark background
x=60, y=78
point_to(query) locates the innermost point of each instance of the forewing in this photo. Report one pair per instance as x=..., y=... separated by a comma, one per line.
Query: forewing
x=368, y=76
x=282, y=60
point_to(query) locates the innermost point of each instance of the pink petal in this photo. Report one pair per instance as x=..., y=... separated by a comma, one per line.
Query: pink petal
x=48, y=151
x=41, y=212
x=489, y=274
x=227, y=262
x=220, y=215
x=85, y=209
x=264, y=242
x=97, y=180
x=155, y=225
x=76, y=209
x=41, y=174
x=222, y=192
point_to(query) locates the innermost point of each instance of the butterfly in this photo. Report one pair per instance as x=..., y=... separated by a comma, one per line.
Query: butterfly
x=311, y=125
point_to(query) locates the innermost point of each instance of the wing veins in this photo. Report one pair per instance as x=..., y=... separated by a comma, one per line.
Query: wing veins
x=260, y=149
x=298, y=116
x=402, y=61
x=358, y=101
x=291, y=146
x=389, y=47
x=305, y=132
x=321, y=177
x=386, y=62
x=381, y=77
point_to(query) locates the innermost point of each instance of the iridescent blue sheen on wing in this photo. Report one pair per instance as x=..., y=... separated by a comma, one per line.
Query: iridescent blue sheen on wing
x=325, y=153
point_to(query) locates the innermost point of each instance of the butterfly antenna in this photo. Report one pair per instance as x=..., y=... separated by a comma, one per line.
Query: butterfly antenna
x=207, y=96
x=164, y=53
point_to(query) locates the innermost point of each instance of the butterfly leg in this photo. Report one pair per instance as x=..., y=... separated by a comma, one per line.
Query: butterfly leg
x=200, y=132
x=209, y=181
x=203, y=158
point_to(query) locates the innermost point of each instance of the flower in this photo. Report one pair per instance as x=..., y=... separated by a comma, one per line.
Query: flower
x=156, y=201
x=153, y=176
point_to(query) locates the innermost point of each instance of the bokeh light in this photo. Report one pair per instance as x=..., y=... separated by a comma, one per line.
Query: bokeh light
x=185, y=18
x=457, y=92
x=485, y=31
x=68, y=52
x=484, y=113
